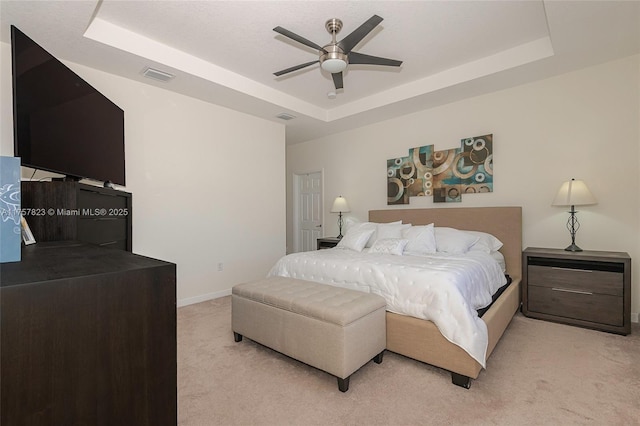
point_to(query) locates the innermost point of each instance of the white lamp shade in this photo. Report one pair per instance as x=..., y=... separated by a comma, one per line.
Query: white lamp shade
x=574, y=193
x=340, y=205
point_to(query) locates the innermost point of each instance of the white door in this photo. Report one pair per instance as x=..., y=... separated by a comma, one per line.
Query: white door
x=309, y=211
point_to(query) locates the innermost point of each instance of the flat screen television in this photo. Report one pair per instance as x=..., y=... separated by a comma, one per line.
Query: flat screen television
x=61, y=123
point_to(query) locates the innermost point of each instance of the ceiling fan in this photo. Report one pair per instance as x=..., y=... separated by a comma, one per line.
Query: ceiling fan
x=335, y=56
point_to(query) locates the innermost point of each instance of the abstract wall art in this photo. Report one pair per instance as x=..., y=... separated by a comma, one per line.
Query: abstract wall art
x=444, y=175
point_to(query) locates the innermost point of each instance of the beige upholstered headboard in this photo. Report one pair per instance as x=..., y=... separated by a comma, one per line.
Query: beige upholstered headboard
x=503, y=222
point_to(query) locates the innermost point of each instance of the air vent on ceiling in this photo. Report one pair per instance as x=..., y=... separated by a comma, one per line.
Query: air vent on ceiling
x=157, y=74
x=285, y=116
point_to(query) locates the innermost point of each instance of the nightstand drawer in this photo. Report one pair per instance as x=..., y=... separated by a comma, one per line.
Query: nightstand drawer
x=585, y=280
x=586, y=288
x=567, y=303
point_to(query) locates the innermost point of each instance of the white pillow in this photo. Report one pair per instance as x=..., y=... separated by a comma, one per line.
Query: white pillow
x=349, y=222
x=356, y=238
x=389, y=246
x=388, y=230
x=360, y=226
x=453, y=241
x=487, y=243
x=422, y=239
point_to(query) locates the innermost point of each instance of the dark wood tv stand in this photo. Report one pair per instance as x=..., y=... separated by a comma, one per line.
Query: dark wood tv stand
x=69, y=210
x=88, y=337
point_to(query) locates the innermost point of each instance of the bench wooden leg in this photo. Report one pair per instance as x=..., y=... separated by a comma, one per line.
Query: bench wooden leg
x=343, y=384
x=460, y=380
x=378, y=358
x=237, y=337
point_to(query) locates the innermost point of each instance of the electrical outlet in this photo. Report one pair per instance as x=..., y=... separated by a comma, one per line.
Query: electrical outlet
x=220, y=266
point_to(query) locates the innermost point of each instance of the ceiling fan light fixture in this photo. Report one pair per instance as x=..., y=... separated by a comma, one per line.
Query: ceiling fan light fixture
x=333, y=60
x=334, y=65
x=337, y=55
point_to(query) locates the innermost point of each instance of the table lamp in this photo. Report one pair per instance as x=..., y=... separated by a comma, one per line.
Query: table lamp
x=340, y=206
x=573, y=193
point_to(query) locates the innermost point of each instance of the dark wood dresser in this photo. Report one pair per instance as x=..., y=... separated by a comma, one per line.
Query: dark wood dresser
x=589, y=288
x=88, y=337
x=59, y=211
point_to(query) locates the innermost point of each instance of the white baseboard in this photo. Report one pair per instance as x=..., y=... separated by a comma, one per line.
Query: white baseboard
x=634, y=317
x=210, y=296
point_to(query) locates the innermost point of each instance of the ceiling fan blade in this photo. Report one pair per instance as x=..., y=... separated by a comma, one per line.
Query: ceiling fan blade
x=350, y=41
x=337, y=80
x=297, y=67
x=360, y=58
x=296, y=37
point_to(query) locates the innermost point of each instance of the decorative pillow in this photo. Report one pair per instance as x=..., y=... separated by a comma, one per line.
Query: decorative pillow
x=359, y=226
x=349, y=222
x=356, y=238
x=389, y=246
x=390, y=230
x=385, y=230
x=486, y=242
x=453, y=241
x=422, y=239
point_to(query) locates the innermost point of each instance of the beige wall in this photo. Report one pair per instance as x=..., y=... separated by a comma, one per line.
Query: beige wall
x=208, y=183
x=582, y=125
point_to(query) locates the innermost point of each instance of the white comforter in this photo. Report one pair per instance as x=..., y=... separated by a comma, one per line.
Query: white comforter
x=445, y=289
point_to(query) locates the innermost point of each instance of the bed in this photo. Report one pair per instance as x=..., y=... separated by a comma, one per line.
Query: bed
x=414, y=336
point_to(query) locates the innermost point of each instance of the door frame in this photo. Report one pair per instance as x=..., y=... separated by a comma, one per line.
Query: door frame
x=296, y=198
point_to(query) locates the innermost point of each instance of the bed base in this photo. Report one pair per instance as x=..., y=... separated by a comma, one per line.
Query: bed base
x=460, y=380
x=420, y=339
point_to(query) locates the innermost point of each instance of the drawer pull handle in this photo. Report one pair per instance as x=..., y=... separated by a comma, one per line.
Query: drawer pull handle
x=568, y=290
x=571, y=269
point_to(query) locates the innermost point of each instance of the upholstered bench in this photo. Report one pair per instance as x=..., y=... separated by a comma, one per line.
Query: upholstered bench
x=333, y=329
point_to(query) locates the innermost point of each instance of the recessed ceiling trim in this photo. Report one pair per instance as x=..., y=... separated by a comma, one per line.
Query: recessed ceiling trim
x=110, y=34
x=115, y=36
x=501, y=61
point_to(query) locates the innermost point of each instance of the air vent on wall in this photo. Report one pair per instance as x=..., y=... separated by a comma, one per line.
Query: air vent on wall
x=285, y=116
x=157, y=74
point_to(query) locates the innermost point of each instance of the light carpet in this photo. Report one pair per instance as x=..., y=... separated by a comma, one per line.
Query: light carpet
x=540, y=373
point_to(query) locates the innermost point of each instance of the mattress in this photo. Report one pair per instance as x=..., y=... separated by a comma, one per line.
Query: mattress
x=442, y=288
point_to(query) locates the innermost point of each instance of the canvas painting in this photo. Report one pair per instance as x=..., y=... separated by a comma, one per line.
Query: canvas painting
x=444, y=175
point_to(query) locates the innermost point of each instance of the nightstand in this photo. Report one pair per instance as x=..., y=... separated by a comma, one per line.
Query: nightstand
x=327, y=242
x=589, y=288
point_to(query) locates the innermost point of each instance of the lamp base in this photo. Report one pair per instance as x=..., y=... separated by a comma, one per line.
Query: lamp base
x=573, y=247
